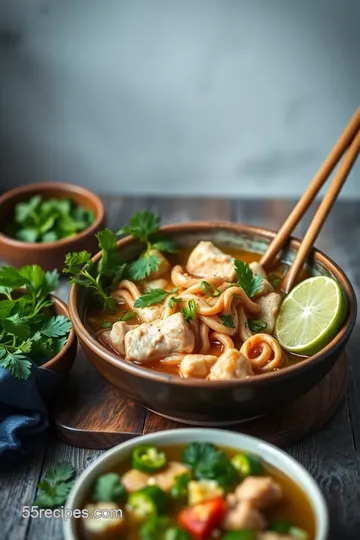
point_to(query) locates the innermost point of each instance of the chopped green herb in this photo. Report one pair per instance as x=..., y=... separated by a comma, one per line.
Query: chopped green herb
x=151, y=297
x=29, y=332
x=107, y=324
x=55, y=487
x=39, y=220
x=101, y=277
x=227, y=320
x=274, y=279
x=209, y=289
x=189, y=312
x=246, y=279
x=173, y=301
x=144, y=226
x=108, y=488
x=257, y=325
x=128, y=316
x=180, y=487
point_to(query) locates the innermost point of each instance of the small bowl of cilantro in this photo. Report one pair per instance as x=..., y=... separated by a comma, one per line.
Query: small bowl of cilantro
x=35, y=329
x=40, y=223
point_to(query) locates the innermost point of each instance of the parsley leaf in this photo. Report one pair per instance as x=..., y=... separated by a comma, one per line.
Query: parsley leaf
x=10, y=277
x=101, y=278
x=57, y=326
x=227, y=320
x=165, y=245
x=151, y=297
x=142, y=267
x=142, y=225
x=246, y=279
x=17, y=326
x=108, y=488
x=55, y=487
x=16, y=363
x=257, y=325
x=189, y=312
x=38, y=220
x=128, y=316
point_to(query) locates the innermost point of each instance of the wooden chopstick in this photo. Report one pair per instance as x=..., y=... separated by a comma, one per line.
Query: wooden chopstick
x=319, y=179
x=322, y=213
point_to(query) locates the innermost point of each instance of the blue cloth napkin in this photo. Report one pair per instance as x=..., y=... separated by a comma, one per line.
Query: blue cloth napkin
x=23, y=412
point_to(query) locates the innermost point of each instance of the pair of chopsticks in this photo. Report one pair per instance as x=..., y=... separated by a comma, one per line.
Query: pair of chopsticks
x=348, y=142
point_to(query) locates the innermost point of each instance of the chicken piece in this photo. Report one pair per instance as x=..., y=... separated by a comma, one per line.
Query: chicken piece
x=160, y=283
x=151, y=341
x=243, y=516
x=133, y=480
x=149, y=314
x=203, y=490
x=197, y=365
x=206, y=260
x=232, y=364
x=259, y=491
x=270, y=305
x=117, y=336
x=271, y=535
x=166, y=478
x=164, y=265
x=266, y=286
x=97, y=527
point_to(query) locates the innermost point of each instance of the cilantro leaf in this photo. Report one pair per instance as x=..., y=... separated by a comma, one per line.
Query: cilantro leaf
x=165, y=245
x=189, y=312
x=227, y=320
x=10, y=277
x=257, y=325
x=16, y=363
x=142, y=267
x=142, y=225
x=108, y=488
x=246, y=279
x=74, y=261
x=55, y=487
x=128, y=316
x=17, y=326
x=154, y=296
x=6, y=307
x=57, y=326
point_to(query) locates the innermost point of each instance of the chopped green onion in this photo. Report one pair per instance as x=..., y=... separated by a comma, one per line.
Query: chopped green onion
x=257, y=325
x=210, y=289
x=173, y=301
x=189, y=312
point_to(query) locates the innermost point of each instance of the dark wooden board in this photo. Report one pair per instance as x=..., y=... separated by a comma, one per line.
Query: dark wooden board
x=91, y=413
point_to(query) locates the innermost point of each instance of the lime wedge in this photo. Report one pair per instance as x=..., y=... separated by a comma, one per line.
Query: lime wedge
x=311, y=315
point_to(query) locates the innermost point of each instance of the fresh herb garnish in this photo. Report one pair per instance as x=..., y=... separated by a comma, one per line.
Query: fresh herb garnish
x=144, y=226
x=108, y=488
x=107, y=324
x=257, y=325
x=247, y=280
x=209, y=289
x=173, y=301
x=189, y=312
x=227, y=320
x=128, y=316
x=180, y=487
x=28, y=330
x=151, y=297
x=209, y=462
x=39, y=220
x=101, y=277
x=56, y=486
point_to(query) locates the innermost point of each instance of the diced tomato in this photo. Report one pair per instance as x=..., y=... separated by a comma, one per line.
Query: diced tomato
x=201, y=519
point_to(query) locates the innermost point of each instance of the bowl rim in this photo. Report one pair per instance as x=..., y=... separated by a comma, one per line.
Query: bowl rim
x=146, y=373
x=71, y=338
x=266, y=450
x=68, y=189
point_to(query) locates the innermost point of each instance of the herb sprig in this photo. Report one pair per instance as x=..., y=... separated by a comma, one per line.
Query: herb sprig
x=39, y=220
x=28, y=330
x=101, y=277
x=144, y=226
x=56, y=486
x=247, y=280
x=154, y=296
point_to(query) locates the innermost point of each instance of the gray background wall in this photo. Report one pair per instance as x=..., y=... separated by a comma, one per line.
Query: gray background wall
x=222, y=97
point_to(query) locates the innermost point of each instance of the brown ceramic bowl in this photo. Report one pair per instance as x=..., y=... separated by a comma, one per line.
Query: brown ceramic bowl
x=216, y=402
x=48, y=255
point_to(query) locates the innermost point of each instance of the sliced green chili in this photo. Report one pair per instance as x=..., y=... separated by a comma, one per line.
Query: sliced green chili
x=209, y=289
x=148, y=459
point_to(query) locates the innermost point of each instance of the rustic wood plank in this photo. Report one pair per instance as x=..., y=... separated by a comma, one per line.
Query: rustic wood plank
x=42, y=527
x=18, y=488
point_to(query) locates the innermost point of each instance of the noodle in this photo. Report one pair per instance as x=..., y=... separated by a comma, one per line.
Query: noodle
x=268, y=354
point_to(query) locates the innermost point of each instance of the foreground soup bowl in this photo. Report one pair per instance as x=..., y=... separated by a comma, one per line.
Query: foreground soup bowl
x=270, y=454
x=215, y=402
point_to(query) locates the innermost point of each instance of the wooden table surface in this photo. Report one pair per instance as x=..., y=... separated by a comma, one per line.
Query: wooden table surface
x=332, y=455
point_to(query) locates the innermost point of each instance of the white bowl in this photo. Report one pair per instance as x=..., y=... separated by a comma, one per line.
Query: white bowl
x=269, y=453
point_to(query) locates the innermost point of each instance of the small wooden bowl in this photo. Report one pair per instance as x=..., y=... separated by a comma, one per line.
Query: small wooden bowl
x=48, y=255
x=209, y=403
x=63, y=362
